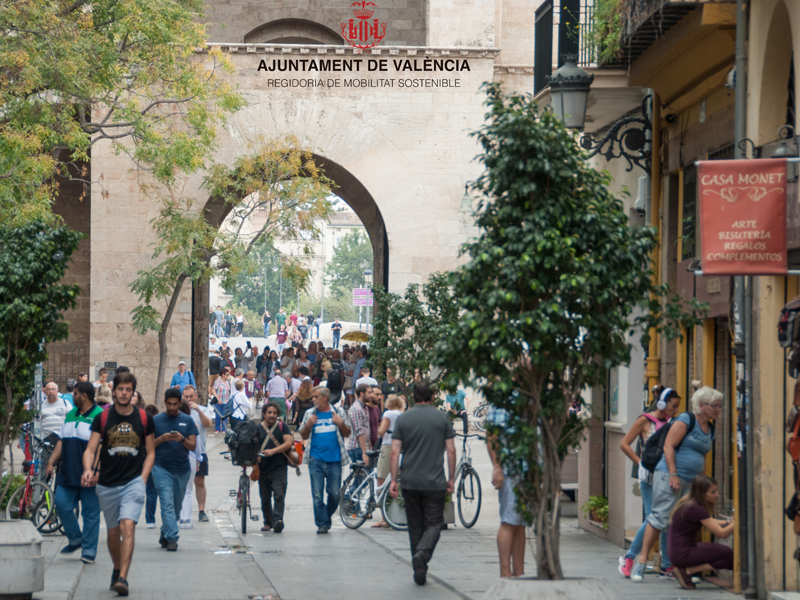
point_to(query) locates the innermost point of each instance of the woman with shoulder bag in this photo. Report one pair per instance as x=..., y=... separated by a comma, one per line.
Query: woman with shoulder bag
x=688, y=440
x=667, y=401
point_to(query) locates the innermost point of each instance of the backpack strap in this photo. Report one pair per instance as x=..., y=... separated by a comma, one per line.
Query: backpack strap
x=143, y=417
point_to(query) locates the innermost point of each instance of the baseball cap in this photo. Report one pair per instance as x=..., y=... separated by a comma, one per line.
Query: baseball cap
x=181, y=362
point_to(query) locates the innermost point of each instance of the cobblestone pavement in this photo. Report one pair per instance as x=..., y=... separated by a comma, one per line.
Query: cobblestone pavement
x=216, y=562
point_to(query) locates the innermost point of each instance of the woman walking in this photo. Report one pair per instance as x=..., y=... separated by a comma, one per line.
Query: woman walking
x=689, y=439
x=266, y=319
x=692, y=513
x=667, y=401
x=229, y=320
x=240, y=323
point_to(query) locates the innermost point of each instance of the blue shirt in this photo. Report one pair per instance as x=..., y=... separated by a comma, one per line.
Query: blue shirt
x=173, y=456
x=456, y=400
x=325, y=446
x=182, y=380
x=690, y=458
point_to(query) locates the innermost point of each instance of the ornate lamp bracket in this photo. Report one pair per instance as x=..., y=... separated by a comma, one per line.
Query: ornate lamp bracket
x=629, y=138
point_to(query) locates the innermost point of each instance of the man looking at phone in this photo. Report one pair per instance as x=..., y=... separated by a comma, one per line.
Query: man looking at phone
x=126, y=458
x=176, y=436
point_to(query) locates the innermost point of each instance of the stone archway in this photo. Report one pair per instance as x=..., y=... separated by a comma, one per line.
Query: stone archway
x=293, y=31
x=775, y=75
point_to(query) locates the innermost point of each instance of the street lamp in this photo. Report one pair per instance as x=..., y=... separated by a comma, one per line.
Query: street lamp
x=264, y=280
x=280, y=275
x=368, y=280
x=569, y=93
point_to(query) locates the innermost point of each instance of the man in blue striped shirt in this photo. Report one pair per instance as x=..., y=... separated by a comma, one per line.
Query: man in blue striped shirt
x=75, y=434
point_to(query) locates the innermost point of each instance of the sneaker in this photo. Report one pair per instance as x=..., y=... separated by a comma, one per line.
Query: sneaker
x=172, y=546
x=87, y=560
x=120, y=586
x=322, y=530
x=202, y=517
x=185, y=525
x=420, y=569
x=278, y=527
x=151, y=525
x=163, y=541
x=637, y=573
x=70, y=548
x=667, y=574
x=625, y=566
x=114, y=577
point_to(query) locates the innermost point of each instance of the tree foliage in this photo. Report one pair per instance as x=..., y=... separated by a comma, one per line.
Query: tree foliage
x=351, y=257
x=77, y=72
x=550, y=294
x=407, y=328
x=31, y=310
x=276, y=192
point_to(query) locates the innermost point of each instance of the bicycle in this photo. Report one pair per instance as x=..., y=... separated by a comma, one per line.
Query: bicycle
x=468, y=488
x=359, y=500
x=480, y=413
x=242, y=495
x=33, y=501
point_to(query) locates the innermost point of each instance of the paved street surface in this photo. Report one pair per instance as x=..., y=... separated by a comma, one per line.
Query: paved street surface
x=215, y=562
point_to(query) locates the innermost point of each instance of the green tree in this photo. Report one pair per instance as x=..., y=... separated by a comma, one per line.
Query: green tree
x=340, y=308
x=406, y=329
x=281, y=182
x=351, y=257
x=550, y=296
x=31, y=311
x=79, y=72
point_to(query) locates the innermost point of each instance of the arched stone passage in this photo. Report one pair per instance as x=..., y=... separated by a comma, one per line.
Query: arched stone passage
x=293, y=31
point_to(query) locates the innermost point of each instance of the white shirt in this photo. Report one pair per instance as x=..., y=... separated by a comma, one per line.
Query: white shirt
x=366, y=380
x=241, y=405
x=200, y=448
x=53, y=415
x=392, y=416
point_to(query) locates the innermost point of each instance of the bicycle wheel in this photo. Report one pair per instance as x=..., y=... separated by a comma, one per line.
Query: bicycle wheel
x=469, y=497
x=22, y=505
x=353, y=507
x=244, y=492
x=480, y=417
x=394, y=510
x=45, y=517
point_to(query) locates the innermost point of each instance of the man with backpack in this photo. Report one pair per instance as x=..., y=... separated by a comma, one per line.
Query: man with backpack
x=126, y=459
x=335, y=374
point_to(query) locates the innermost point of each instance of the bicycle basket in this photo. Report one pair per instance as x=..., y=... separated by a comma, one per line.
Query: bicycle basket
x=245, y=442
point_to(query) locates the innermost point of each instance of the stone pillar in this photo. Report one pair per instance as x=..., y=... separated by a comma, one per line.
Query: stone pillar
x=200, y=339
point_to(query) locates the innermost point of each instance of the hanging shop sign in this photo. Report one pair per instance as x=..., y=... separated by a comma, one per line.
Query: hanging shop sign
x=743, y=216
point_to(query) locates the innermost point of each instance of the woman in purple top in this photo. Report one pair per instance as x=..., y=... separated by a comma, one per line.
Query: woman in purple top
x=692, y=513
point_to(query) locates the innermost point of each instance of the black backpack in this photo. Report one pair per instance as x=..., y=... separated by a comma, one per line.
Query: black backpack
x=654, y=447
x=244, y=441
x=335, y=380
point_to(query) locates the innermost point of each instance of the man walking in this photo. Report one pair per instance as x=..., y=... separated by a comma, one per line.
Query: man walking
x=126, y=459
x=52, y=416
x=202, y=417
x=273, y=467
x=337, y=332
x=219, y=321
x=511, y=536
x=75, y=435
x=214, y=368
x=182, y=377
x=278, y=391
x=358, y=442
x=175, y=438
x=325, y=427
x=422, y=434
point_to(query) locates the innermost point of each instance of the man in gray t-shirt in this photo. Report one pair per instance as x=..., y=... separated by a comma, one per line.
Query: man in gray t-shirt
x=422, y=434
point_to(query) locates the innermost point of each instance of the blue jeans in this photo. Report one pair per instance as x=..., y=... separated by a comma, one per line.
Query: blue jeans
x=636, y=545
x=152, y=501
x=219, y=423
x=266, y=330
x=171, y=490
x=335, y=341
x=67, y=498
x=324, y=474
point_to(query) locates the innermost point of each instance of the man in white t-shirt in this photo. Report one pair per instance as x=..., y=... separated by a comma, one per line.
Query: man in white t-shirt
x=365, y=377
x=240, y=404
x=52, y=416
x=203, y=417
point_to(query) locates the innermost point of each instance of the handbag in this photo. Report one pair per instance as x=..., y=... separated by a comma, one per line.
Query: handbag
x=291, y=455
x=793, y=445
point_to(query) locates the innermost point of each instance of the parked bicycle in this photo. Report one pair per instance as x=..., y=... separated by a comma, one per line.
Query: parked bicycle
x=33, y=501
x=468, y=486
x=361, y=496
x=242, y=495
x=479, y=414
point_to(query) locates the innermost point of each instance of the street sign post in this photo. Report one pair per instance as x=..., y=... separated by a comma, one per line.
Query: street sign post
x=362, y=297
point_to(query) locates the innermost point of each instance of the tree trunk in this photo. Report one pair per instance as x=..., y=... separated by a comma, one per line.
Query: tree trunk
x=162, y=340
x=4, y=440
x=548, y=518
x=200, y=338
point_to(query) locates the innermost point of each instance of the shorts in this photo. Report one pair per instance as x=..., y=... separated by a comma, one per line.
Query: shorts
x=122, y=501
x=664, y=499
x=508, y=501
x=202, y=470
x=385, y=462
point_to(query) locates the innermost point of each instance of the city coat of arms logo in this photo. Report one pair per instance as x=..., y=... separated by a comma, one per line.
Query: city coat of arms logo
x=362, y=32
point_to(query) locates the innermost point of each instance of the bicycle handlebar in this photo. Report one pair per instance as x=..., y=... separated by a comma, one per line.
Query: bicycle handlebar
x=471, y=435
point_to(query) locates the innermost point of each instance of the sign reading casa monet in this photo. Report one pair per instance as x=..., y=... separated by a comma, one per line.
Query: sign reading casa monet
x=743, y=216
